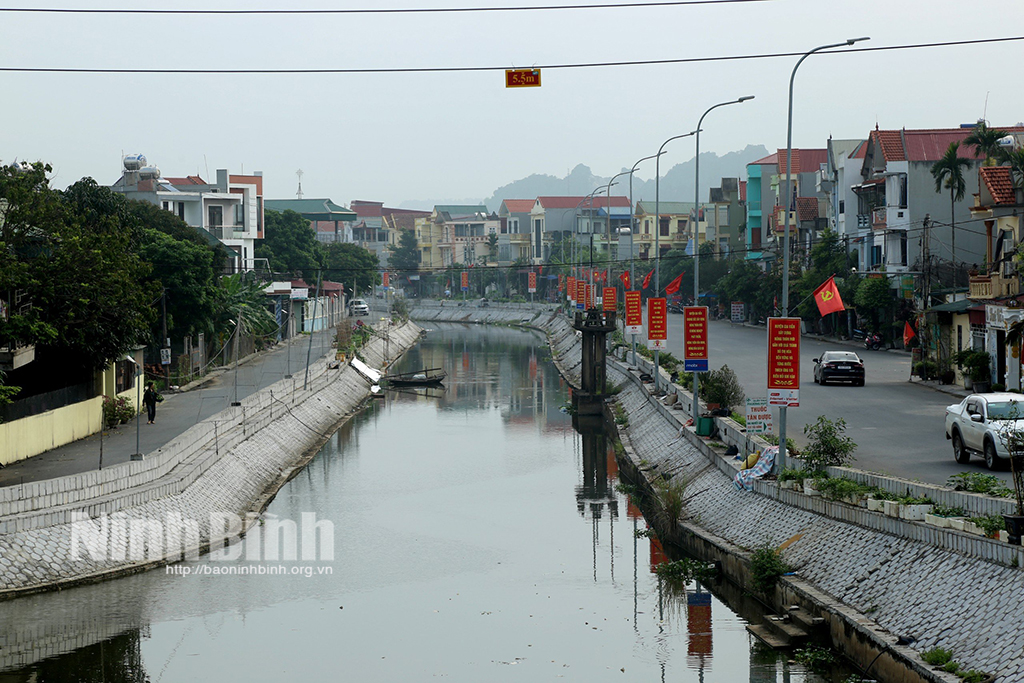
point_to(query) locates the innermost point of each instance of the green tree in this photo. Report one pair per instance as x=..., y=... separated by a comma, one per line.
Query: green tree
x=355, y=267
x=405, y=256
x=289, y=244
x=874, y=296
x=949, y=174
x=492, y=247
x=183, y=270
x=240, y=297
x=985, y=141
x=95, y=291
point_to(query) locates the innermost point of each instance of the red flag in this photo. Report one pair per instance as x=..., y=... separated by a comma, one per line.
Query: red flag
x=827, y=297
x=625, y=279
x=908, y=333
x=673, y=287
x=647, y=280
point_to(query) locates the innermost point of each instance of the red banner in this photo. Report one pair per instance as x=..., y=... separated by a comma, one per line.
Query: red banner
x=695, y=338
x=634, y=313
x=590, y=297
x=561, y=282
x=571, y=288
x=608, y=300
x=784, y=362
x=625, y=279
x=532, y=279
x=657, y=323
x=581, y=294
x=827, y=297
x=465, y=281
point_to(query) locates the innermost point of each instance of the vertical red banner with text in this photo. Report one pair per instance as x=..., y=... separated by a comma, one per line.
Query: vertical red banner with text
x=571, y=288
x=657, y=323
x=784, y=362
x=532, y=282
x=634, y=314
x=695, y=338
x=465, y=281
x=581, y=294
x=609, y=300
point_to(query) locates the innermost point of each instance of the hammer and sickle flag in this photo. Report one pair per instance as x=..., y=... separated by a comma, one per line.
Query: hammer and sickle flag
x=827, y=297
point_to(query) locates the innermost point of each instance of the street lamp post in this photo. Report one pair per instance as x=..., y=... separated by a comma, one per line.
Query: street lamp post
x=781, y=462
x=632, y=228
x=696, y=228
x=657, y=234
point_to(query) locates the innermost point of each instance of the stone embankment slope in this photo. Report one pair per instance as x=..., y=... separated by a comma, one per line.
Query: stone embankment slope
x=228, y=465
x=918, y=595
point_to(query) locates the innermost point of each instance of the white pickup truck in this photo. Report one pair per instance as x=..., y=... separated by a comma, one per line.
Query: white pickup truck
x=978, y=425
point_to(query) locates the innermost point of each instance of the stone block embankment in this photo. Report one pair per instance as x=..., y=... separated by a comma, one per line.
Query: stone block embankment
x=918, y=593
x=226, y=466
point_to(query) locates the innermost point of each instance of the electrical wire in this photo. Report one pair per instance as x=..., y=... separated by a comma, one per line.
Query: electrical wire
x=376, y=10
x=452, y=69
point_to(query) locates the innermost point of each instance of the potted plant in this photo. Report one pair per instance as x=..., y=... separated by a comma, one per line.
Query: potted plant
x=1014, y=440
x=941, y=515
x=721, y=388
x=914, y=509
x=976, y=367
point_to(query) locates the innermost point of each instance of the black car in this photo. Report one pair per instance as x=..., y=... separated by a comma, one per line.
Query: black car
x=841, y=366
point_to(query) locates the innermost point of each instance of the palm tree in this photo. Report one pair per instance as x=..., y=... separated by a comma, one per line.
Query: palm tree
x=949, y=174
x=985, y=141
x=1015, y=159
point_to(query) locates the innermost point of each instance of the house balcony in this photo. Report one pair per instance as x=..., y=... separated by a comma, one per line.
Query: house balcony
x=227, y=232
x=13, y=357
x=878, y=218
x=993, y=286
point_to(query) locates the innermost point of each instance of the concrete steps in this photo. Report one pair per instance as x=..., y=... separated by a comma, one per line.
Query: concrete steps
x=790, y=630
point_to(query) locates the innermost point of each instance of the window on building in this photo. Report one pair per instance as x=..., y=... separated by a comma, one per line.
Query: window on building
x=166, y=206
x=903, y=190
x=216, y=216
x=647, y=226
x=663, y=227
x=842, y=206
x=903, y=248
x=124, y=376
x=181, y=210
x=876, y=254
x=239, y=216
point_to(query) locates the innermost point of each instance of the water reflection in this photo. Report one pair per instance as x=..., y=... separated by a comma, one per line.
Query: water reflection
x=478, y=537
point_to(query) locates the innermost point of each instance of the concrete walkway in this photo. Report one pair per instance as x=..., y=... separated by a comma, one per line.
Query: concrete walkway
x=177, y=413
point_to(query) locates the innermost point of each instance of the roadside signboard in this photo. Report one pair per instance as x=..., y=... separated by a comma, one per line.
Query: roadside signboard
x=737, y=312
x=695, y=338
x=657, y=323
x=759, y=416
x=784, y=362
x=608, y=299
x=522, y=78
x=590, y=297
x=165, y=356
x=634, y=313
x=465, y=281
x=300, y=293
x=532, y=282
x=581, y=295
x=570, y=289
x=386, y=279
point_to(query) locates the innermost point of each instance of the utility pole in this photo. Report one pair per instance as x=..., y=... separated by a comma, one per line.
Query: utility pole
x=167, y=342
x=926, y=289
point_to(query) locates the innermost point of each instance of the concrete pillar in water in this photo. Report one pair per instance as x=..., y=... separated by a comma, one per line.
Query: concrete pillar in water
x=595, y=326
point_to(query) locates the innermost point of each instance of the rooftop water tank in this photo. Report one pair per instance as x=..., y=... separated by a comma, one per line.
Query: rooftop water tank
x=133, y=162
x=149, y=172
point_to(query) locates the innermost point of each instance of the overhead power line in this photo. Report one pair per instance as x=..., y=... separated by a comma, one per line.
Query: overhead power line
x=443, y=69
x=377, y=10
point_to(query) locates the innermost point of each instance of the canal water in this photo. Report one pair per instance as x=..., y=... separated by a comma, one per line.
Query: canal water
x=475, y=538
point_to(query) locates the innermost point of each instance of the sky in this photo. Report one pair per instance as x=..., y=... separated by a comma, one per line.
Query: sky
x=441, y=136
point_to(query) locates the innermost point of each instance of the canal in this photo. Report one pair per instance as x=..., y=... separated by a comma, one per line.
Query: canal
x=474, y=539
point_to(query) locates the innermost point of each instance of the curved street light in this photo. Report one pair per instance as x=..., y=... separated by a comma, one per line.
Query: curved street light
x=632, y=234
x=657, y=234
x=696, y=229
x=781, y=461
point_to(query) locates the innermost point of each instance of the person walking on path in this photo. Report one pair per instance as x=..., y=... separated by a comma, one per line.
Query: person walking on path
x=149, y=399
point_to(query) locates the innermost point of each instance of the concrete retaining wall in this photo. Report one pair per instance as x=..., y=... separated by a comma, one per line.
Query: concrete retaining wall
x=228, y=464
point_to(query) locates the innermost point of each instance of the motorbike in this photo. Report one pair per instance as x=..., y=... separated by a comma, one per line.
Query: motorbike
x=873, y=342
x=858, y=334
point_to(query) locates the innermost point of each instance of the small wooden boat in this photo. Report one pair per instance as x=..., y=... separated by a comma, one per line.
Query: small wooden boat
x=420, y=378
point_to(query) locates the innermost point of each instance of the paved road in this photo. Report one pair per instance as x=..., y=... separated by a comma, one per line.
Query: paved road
x=897, y=425
x=175, y=415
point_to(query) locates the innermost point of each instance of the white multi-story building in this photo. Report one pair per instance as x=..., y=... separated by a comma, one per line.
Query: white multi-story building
x=231, y=209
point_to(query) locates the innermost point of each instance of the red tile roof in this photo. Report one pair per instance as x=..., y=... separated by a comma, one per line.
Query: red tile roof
x=927, y=144
x=804, y=160
x=188, y=180
x=860, y=151
x=599, y=201
x=770, y=160
x=807, y=208
x=999, y=182
x=519, y=205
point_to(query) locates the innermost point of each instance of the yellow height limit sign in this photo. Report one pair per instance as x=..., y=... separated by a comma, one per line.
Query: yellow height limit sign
x=522, y=78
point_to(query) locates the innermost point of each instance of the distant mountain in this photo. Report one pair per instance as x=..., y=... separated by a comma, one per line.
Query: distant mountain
x=676, y=182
